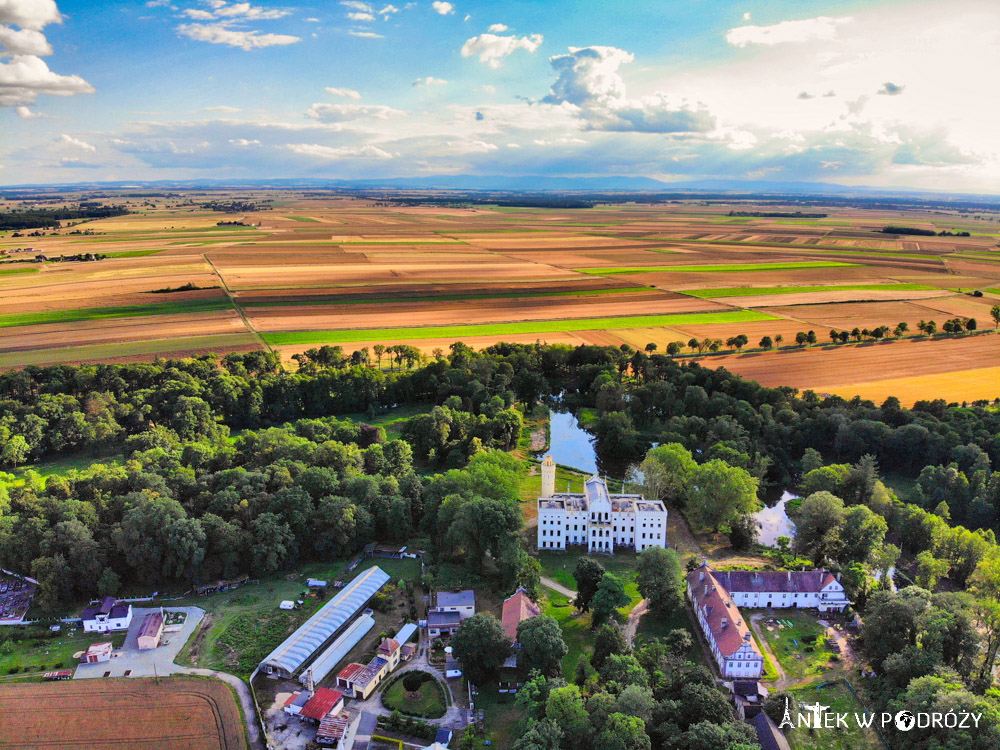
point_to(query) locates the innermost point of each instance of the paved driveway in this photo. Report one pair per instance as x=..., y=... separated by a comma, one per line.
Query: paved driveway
x=156, y=661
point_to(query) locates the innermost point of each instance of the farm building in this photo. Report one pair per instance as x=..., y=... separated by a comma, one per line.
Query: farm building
x=596, y=518
x=323, y=702
x=97, y=653
x=293, y=706
x=150, y=631
x=107, y=615
x=717, y=596
x=360, y=681
x=296, y=650
x=337, y=650
x=332, y=729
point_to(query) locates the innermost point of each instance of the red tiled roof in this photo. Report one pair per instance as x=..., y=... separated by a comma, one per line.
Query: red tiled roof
x=322, y=702
x=517, y=609
x=388, y=646
x=711, y=598
x=351, y=671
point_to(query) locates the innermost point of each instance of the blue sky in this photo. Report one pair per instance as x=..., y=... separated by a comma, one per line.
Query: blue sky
x=875, y=93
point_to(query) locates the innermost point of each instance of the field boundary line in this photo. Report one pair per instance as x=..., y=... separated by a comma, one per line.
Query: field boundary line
x=236, y=305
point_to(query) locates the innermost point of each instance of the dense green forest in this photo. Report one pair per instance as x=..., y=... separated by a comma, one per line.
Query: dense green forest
x=34, y=218
x=234, y=466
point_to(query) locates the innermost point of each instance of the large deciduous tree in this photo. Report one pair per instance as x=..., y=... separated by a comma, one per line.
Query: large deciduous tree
x=542, y=645
x=658, y=576
x=482, y=646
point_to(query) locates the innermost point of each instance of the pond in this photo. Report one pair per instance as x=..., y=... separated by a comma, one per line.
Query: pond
x=571, y=445
x=773, y=521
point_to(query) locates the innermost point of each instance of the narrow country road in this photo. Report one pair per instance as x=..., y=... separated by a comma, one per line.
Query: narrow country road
x=558, y=587
x=632, y=623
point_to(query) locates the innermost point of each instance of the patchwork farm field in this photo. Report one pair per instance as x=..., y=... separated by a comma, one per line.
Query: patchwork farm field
x=289, y=271
x=176, y=713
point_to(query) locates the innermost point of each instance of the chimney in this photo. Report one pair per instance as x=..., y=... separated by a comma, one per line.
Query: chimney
x=789, y=576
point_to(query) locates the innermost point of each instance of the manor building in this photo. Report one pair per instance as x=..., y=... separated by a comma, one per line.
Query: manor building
x=597, y=519
x=717, y=595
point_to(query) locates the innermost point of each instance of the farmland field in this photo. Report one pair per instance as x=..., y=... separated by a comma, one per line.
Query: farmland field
x=174, y=714
x=308, y=270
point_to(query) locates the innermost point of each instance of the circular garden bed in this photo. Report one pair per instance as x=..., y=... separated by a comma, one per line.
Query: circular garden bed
x=415, y=693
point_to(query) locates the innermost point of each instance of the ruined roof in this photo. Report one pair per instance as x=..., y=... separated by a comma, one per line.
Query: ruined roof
x=321, y=703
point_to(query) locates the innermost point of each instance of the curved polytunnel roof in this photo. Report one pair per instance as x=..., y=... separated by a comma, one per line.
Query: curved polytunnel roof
x=303, y=643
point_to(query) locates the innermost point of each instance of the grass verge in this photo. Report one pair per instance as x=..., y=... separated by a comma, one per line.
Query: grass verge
x=716, y=268
x=753, y=291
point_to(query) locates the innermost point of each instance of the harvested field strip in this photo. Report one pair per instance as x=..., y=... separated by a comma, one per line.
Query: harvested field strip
x=500, y=329
x=174, y=714
x=851, y=249
x=133, y=253
x=449, y=297
x=717, y=268
x=12, y=271
x=91, y=352
x=751, y=291
x=124, y=311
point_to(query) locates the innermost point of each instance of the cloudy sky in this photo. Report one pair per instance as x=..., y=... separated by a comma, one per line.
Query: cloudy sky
x=860, y=93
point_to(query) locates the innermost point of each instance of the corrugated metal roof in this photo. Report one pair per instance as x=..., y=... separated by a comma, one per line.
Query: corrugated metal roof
x=405, y=633
x=340, y=648
x=302, y=644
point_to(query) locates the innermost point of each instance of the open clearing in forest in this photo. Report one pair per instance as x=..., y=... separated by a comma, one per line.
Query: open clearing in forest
x=176, y=713
x=333, y=269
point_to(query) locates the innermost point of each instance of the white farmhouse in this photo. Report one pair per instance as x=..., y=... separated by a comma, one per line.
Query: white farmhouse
x=107, y=615
x=717, y=595
x=596, y=518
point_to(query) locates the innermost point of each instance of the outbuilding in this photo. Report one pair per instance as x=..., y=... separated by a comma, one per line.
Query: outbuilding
x=150, y=631
x=97, y=653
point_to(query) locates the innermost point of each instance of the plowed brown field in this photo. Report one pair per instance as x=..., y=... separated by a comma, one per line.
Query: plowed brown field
x=173, y=714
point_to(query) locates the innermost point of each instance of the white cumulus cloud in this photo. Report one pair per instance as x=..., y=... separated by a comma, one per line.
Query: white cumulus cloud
x=221, y=33
x=365, y=34
x=429, y=81
x=442, y=7
x=243, y=142
x=492, y=48
x=346, y=112
x=29, y=14
x=823, y=28
x=498, y=28
x=26, y=76
x=24, y=42
x=349, y=93
x=315, y=150
x=76, y=143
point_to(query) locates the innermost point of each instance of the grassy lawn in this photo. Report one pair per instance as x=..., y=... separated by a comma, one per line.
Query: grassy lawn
x=36, y=649
x=63, y=465
x=428, y=702
x=124, y=311
x=243, y=626
x=904, y=487
x=576, y=629
x=651, y=626
x=499, y=329
x=751, y=291
x=795, y=646
x=716, y=268
x=840, y=700
x=501, y=716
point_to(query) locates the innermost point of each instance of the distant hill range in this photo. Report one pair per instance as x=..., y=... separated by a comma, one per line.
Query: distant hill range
x=536, y=184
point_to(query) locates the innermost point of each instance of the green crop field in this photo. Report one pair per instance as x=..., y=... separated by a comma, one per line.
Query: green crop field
x=753, y=291
x=449, y=297
x=502, y=329
x=717, y=268
x=303, y=218
x=12, y=271
x=124, y=311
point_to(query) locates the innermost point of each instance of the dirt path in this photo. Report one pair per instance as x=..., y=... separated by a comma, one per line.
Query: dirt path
x=632, y=623
x=558, y=587
x=236, y=304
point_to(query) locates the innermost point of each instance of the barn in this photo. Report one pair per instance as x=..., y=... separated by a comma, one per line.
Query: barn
x=150, y=631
